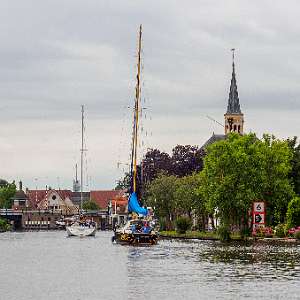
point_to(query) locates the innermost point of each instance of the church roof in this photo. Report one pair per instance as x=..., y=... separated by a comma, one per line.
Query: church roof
x=214, y=138
x=233, y=106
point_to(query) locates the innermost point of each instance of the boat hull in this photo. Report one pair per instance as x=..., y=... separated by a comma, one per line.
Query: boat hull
x=81, y=231
x=135, y=238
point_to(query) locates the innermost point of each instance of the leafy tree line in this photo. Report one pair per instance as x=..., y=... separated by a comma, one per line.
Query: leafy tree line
x=233, y=173
x=183, y=161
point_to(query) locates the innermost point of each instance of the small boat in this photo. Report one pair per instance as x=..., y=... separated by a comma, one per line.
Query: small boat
x=139, y=229
x=136, y=232
x=80, y=226
x=81, y=230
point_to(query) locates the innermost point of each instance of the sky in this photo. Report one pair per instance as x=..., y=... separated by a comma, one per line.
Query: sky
x=56, y=55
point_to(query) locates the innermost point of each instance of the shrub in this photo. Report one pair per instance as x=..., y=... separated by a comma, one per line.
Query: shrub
x=245, y=232
x=293, y=213
x=183, y=224
x=90, y=205
x=280, y=230
x=4, y=226
x=262, y=232
x=297, y=235
x=223, y=233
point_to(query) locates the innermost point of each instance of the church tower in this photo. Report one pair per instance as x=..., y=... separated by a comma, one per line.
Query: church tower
x=234, y=118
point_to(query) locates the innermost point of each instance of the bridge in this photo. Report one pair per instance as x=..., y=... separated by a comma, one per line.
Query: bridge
x=12, y=215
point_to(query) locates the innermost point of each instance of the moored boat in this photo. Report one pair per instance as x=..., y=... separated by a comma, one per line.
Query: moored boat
x=136, y=232
x=139, y=229
x=81, y=230
x=80, y=226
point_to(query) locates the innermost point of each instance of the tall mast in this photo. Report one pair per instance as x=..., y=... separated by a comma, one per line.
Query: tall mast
x=81, y=158
x=76, y=177
x=136, y=112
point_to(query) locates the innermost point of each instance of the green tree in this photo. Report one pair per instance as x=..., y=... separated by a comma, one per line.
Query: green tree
x=124, y=183
x=188, y=200
x=295, y=172
x=161, y=196
x=90, y=205
x=7, y=192
x=241, y=169
x=293, y=213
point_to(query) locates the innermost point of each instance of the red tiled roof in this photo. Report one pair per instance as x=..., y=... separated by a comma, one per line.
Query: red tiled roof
x=102, y=198
x=36, y=196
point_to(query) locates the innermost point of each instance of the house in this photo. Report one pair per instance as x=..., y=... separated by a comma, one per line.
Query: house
x=54, y=200
x=20, y=199
x=115, y=202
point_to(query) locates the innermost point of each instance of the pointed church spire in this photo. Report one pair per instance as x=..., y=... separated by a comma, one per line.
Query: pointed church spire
x=233, y=106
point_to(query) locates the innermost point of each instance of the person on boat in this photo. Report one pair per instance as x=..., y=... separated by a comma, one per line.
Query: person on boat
x=146, y=228
x=133, y=228
x=139, y=227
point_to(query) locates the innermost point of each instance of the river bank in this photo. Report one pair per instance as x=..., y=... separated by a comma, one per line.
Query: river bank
x=213, y=236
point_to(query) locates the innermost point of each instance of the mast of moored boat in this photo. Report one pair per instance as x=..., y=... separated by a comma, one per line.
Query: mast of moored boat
x=81, y=159
x=136, y=113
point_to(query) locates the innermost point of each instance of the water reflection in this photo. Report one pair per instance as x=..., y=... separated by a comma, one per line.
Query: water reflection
x=214, y=270
x=56, y=267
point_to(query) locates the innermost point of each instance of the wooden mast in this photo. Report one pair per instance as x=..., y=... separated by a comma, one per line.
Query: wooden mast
x=81, y=158
x=136, y=111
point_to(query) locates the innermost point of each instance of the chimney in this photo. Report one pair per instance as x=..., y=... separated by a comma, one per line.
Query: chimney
x=20, y=185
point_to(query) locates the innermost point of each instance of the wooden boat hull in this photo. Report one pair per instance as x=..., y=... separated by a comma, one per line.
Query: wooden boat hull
x=135, y=238
x=81, y=231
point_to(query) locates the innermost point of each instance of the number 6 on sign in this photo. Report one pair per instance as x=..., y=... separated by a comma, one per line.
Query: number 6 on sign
x=259, y=207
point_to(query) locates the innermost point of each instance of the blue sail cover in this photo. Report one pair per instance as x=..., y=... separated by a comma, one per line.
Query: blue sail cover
x=134, y=206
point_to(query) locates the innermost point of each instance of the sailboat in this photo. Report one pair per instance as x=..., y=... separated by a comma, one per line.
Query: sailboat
x=81, y=226
x=139, y=229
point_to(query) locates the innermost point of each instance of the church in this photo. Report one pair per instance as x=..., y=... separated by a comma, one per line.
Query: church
x=234, y=118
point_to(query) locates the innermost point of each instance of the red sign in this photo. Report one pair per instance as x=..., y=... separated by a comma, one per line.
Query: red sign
x=258, y=214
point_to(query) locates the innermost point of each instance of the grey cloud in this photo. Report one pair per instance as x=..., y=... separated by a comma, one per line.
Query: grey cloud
x=56, y=55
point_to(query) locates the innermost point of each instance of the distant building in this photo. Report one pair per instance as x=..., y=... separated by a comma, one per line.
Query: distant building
x=76, y=183
x=107, y=198
x=76, y=197
x=20, y=200
x=54, y=200
x=234, y=118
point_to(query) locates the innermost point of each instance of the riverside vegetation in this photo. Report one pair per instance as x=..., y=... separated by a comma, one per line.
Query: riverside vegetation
x=222, y=181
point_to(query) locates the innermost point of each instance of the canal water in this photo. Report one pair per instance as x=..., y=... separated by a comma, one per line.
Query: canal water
x=48, y=265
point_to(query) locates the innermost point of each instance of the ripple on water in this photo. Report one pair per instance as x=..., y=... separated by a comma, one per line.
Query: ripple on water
x=55, y=267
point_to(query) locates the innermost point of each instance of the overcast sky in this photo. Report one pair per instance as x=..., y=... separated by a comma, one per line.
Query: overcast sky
x=58, y=54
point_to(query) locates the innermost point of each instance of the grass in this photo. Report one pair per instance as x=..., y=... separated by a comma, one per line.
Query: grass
x=205, y=235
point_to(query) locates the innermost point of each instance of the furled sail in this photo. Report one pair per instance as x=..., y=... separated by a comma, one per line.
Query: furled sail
x=134, y=206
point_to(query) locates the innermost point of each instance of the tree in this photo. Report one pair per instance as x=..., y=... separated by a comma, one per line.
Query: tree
x=154, y=163
x=161, y=196
x=241, y=169
x=295, y=172
x=7, y=192
x=293, y=213
x=90, y=205
x=188, y=200
x=185, y=160
x=124, y=183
